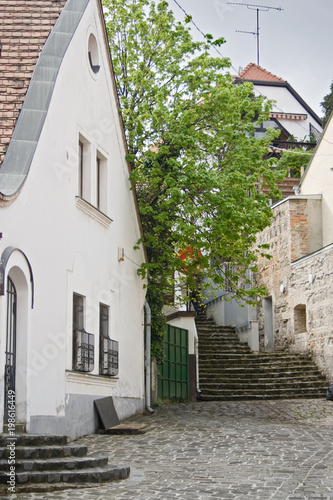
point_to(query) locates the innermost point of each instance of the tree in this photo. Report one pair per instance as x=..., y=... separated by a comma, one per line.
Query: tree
x=195, y=161
x=327, y=105
x=294, y=159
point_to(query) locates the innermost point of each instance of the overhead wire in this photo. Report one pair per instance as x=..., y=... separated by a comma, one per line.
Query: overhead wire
x=201, y=32
x=258, y=91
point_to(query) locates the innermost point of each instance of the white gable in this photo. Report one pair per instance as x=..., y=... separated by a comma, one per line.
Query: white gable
x=318, y=179
x=73, y=247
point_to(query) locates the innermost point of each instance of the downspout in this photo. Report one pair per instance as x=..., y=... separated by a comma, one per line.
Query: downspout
x=148, y=356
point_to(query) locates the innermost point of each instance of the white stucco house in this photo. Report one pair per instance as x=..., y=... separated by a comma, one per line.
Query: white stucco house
x=71, y=302
x=290, y=113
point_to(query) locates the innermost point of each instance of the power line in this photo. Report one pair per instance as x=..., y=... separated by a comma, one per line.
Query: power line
x=200, y=31
x=250, y=7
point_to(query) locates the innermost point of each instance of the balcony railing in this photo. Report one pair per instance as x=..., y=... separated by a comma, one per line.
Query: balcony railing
x=83, y=351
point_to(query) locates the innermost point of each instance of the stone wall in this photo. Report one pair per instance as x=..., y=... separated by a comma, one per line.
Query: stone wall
x=299, y=279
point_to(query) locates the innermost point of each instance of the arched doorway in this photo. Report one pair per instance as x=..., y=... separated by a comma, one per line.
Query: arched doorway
x=10, y=353
x=17, y=291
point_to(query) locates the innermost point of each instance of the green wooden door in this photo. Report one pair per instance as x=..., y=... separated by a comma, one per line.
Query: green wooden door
x=173, y=380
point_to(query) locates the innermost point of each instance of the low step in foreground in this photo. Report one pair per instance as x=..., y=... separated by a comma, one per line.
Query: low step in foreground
x=47, y=463
x=229, y=370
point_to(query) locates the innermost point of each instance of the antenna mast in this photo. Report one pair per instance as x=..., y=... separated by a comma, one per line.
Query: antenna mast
x=258, y=8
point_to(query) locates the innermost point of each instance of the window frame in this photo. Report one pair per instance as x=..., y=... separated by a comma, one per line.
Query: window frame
x=108, y=348
x=83, y=353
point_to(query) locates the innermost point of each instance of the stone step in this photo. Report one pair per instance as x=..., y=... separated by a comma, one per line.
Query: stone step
x=224, y=363
x=44, y=452
x=263, y=384
x=221, y=341
x=252, y=374
x=49, y=463
x=70, y=463
x=250, y=356
x=252, y=396
x=19, y=428
x=228, y=369
x=227, y=349
x=33, y=439
x=211, y=332
x=95, y=475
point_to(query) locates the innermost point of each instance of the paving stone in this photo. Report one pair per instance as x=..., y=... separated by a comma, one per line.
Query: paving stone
x=270, y=450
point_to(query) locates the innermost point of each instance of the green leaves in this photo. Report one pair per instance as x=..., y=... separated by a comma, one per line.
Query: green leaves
x=196, y=165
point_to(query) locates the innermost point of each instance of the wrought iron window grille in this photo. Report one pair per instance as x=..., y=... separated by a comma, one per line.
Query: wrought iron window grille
x=109, y=357
x=83, y=350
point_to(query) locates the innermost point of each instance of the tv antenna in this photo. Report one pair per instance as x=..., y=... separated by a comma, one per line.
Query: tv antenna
x=258, y=8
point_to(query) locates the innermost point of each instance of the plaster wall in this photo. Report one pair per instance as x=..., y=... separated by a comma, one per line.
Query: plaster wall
x=318, y=178
x=187, y=324
x=72, y=247
x=285, y=102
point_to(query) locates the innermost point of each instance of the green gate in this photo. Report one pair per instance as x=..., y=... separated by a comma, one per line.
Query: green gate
x=173, y=381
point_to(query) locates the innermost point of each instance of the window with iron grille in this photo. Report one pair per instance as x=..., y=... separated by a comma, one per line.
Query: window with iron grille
x=109, y=349
x=83, y=342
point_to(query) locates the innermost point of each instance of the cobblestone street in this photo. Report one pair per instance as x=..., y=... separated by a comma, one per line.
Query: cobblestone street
x=219, y=450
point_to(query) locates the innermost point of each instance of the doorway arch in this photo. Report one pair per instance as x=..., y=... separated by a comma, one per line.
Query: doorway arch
x=17, y=301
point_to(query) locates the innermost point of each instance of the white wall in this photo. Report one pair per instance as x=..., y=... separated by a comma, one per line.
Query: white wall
x=318, y=179
x=70, y=251
x=285, y=102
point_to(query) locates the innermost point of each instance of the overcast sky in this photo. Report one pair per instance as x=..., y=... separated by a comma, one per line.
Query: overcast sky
x=295, y=43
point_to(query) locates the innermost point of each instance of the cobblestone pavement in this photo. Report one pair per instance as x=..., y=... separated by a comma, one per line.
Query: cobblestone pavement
x=220, y=450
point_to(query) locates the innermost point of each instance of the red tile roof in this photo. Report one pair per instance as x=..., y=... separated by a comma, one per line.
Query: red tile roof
x=255, y=72
x=24, y=28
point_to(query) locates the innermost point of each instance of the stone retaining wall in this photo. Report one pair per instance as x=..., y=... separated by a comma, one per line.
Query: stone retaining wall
x=299, y=278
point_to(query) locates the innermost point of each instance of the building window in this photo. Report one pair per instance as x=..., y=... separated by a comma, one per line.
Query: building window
x=83, y=342
x=93, y=54
x=300, y=318
x=84, y=181
x=109, y=349
x=101, y=182
x=81, y=169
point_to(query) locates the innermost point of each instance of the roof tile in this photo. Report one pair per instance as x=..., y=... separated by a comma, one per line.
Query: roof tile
x=24, y=28
x=255, y=72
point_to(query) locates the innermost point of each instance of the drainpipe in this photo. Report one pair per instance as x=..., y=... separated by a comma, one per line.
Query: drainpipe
x=148, y=356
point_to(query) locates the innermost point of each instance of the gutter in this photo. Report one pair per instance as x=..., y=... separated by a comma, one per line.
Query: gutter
x=148, y=356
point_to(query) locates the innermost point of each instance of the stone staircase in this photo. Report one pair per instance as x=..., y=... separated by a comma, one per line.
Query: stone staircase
x=229, y=370
x=47, y=463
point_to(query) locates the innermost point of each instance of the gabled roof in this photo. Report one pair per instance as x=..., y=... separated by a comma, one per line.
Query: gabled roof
x=38, y=80
x=257, y=73
x=261, y=77
x=24, y=28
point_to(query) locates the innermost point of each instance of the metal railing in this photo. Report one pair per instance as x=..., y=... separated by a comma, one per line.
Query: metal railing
x=83, y=351
x=109, y=357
